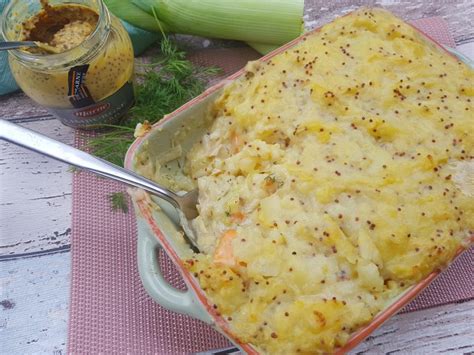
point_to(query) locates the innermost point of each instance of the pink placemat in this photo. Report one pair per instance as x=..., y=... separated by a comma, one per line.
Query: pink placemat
x=110, y=312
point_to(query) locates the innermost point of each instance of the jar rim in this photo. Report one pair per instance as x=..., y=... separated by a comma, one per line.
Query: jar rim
x=62, y=59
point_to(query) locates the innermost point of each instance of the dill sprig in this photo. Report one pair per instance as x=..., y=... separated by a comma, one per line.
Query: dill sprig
x=119, y=201
x=164, y=85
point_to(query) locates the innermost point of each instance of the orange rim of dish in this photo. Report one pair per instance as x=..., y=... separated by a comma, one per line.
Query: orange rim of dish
x=145, y=210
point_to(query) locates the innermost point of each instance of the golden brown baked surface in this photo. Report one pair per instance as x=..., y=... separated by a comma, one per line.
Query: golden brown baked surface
x=327, y=182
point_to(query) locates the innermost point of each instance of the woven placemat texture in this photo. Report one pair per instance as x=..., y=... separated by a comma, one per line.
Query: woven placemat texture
x=110, y=312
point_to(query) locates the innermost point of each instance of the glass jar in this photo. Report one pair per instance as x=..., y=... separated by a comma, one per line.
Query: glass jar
x=85, y=86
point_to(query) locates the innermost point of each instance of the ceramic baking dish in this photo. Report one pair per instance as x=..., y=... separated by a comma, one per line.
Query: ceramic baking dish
x=158, y=226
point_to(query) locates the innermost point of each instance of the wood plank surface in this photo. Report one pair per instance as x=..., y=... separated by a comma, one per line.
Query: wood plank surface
x=458, y=14
x=34, y=304
x=35, y=220
x=445, y=329
x=35, y=193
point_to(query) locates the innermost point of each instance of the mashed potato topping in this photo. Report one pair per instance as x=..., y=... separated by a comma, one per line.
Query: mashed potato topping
x=326, y=182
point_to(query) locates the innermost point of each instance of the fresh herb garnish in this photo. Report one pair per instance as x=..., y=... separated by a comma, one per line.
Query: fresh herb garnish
x=118, y=201
x=163, y=86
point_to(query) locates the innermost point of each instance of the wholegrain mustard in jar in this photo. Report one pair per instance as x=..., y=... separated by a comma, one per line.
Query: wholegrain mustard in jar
x=82, y=70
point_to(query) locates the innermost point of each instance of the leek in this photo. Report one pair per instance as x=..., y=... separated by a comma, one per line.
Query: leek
x=262, y=48
x=262, y=21
x=133, y=15
x=264, y=24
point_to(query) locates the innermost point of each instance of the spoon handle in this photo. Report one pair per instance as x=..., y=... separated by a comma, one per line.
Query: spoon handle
x=15, y=45
x=67, y=154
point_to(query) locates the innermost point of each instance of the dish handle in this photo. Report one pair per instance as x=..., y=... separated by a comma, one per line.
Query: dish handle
x=155, y=284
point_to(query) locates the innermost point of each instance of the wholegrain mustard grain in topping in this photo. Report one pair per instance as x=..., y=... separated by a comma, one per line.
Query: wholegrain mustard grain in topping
x=326, y=182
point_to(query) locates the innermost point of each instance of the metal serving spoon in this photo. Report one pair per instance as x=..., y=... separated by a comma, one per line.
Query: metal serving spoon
x=185, y=204
x=27, y=44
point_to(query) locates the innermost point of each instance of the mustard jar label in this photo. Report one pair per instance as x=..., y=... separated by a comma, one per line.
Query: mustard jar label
x=79, y=95
x=86, y=112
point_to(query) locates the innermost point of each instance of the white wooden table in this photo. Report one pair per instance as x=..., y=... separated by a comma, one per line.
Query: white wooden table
x=35, y=225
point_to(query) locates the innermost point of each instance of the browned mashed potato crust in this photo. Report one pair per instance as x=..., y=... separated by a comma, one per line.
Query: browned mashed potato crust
x=327, y=182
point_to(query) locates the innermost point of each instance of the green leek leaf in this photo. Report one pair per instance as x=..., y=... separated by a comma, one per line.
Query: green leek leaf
x=257, y=21
x=132, y=14
x=262, y=48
